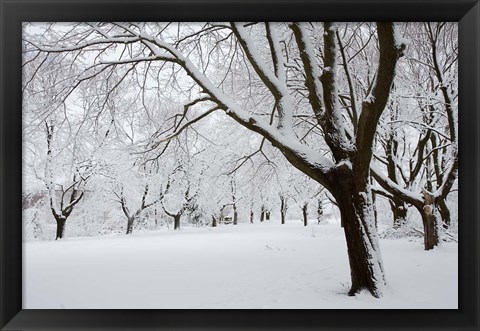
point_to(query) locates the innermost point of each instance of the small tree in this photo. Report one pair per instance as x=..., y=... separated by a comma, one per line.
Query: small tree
x=283, y=208
x=70, y=196
x=133, y=215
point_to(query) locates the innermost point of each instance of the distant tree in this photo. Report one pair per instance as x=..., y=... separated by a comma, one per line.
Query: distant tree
x=132, y=215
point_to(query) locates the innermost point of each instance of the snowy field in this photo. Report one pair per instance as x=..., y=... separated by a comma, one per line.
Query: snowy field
x=262, y=265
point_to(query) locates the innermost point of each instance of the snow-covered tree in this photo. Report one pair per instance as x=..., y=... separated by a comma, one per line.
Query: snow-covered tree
x=281, y=81
x=428, y=171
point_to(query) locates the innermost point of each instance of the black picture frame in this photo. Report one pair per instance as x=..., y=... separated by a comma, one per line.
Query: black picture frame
x=13, y=12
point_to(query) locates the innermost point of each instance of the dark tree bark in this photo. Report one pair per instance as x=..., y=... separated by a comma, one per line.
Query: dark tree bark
x=235, y=215
x=430, y=237
x=176, y=221
x=361, y=270
x=360, y=233
x=374, y=207
x=214, y=222
x=444, y=213
x=283, y=209
x=262, y=214
x=60, y=227
x=399, y=211
x=305, y=214
x=429, y=219
x=267, y=215
x=251, y=216
x=130, y=221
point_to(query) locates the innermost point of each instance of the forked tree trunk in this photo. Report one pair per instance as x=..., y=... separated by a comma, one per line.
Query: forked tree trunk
x=305, y=214
x=176, y=221
x=399, y=211
x=61, y=220
x=430, y=221
x=366, y=268
x=428, y=210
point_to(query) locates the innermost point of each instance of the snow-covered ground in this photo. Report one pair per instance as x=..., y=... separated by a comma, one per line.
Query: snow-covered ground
x=262, y=265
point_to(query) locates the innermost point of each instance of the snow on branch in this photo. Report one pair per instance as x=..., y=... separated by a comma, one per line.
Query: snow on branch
x=255, y=59
x=281, y=137
x=282, y=140
x=81, y=46
x=334, y=124
x=276, y=51
x=452, y=174
x=375, y=102
x=186, y=125
x=390, y=186
x=165, y=58
x=311, y=69
x=275, y=83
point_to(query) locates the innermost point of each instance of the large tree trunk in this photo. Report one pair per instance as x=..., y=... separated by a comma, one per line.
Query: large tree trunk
x=176, y=221
x=61, y=220
x=305, y=214
x=428, y=211
x=214, y=222
x=262, y=214
x=283, y=209
x=430, y=229
x=399, y=211
x=267, y=215
x=366, y=268
x=130, y=225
